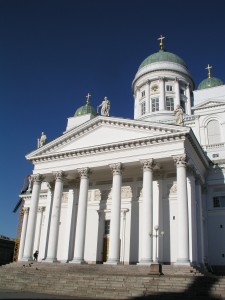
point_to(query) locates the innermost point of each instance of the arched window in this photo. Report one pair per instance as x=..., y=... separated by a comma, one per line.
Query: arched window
x=214, y=132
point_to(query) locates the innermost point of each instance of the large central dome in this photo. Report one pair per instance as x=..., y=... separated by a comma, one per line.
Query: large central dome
x=161, y=56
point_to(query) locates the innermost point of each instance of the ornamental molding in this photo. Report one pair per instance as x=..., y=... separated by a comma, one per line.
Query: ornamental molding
x=166, y=133
x=208, y=104
x=130, y=144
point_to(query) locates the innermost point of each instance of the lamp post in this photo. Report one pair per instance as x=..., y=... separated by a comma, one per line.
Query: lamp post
x=156, y=243
x=156, y=267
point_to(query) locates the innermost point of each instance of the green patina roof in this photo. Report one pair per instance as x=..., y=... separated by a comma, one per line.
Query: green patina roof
x=84, y=110
x=209, y=82
x=162, y=55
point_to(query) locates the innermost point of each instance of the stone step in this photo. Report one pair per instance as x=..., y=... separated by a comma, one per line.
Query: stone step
x=109, y=281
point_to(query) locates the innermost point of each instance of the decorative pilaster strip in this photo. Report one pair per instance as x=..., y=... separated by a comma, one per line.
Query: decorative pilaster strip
x=84, y=172
x=148, y=164
x=116, y=168
x=180, y=160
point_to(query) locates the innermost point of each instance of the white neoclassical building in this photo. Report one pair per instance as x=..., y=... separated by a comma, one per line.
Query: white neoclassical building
x=104, y=189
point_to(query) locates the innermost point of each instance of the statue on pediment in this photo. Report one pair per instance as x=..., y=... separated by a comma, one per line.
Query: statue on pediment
x=179, y=113
x=42, y=141
x=105, y=107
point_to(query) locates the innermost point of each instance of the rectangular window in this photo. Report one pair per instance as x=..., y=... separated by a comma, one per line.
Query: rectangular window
x=219, y=201
x=169, y=103
x=107, y=226
x=142, y=94
x=155, y=104
x=142, y=108
x=169, y=88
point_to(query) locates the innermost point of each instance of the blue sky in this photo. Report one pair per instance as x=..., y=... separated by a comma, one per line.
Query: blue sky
x=53, y=52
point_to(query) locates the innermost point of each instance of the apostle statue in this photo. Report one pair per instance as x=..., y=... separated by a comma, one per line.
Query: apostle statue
x=179, y=115
x=105, y=107
x=42, y=141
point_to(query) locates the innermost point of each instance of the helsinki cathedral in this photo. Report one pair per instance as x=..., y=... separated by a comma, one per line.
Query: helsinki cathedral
x=134, y=191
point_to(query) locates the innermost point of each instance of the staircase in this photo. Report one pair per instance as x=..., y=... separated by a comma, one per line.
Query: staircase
x=112, y=282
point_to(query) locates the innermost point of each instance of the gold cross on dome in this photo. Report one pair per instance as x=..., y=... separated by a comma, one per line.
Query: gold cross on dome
x=161, y=38
x=209, y=72
x=88, y=97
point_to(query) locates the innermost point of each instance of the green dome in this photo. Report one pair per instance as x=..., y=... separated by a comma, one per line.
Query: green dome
x=209, y=82
x=162, y=55
x=84, y=110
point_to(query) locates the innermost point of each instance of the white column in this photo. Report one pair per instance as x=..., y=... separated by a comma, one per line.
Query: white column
x=114, y=238
x=188, y=104
x=147, y=212
x=47, y=216
x=31, y=224
x=177, y=92
x=182, y=209
x=162, y=94
x=55, y=218
x=201, y=254
x=148, y=97
x=158, y=214
x=192, y=216
x=137, y=109
x=81, y=216
x=70, y=223
x=38, y=228
x=23, y=232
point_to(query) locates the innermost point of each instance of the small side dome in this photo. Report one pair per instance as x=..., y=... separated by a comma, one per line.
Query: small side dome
x=86, y=109
x=210, y=81
x=162, y=55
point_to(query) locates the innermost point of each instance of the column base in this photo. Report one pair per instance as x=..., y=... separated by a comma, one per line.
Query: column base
x=146, y=262
x=112, y=261
x=26, y=259
x=184, y=261
x=50, y=260
x=80, y=261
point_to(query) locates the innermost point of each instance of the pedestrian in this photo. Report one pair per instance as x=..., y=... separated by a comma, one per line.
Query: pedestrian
x=36, y=255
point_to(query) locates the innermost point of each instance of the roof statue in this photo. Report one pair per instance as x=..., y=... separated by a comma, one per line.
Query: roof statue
x=42, y=141
x=179, y=115
x=105, y=107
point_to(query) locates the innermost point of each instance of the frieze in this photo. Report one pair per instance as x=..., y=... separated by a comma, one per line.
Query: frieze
x=169, y=136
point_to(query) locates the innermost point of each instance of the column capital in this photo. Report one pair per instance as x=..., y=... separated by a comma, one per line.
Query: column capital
x=180, y=160
x=59, y=175
x=148, y=164
x=36, y=177
x=116, y=168
x=26, y=210
x=84, y=172
x=41, y=209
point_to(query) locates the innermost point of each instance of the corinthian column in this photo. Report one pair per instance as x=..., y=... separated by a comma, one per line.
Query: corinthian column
x=81, y=216
x=147, y=212
x=182, y=205
x=55, y=218
x=23, y=232
x=114, y=239
x=31, y=224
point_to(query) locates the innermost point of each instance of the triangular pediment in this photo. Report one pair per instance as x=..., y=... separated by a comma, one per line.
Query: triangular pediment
x=209, y=104
x=104, y=131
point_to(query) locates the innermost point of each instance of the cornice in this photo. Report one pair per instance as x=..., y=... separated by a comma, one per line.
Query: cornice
x=203, y=106
x=75, y=133
x=117, y=146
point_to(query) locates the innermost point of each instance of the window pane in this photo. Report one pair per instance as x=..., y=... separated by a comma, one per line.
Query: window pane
x=169, y=103
x=155, y=104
